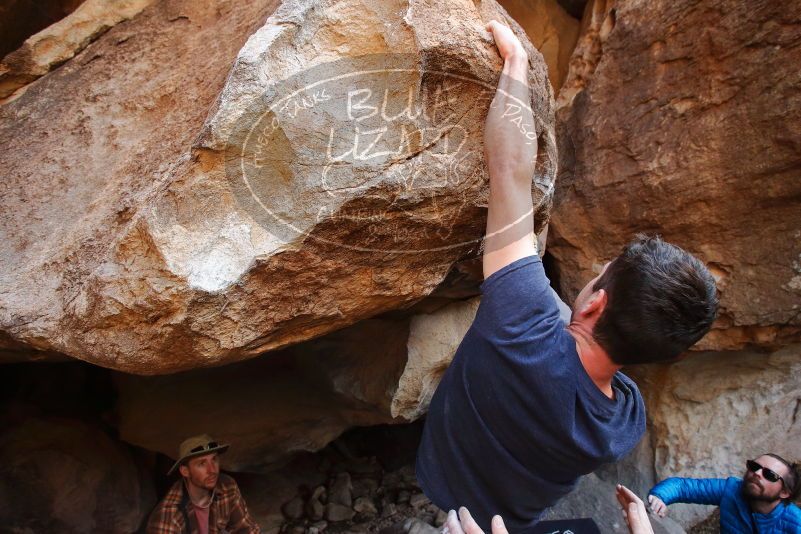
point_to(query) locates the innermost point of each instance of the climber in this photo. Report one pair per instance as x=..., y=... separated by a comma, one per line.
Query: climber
x=203, y=500
x=760, y=502
x=529, y=404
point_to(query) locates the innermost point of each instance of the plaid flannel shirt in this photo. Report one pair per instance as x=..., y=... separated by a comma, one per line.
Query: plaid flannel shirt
x=227, y=514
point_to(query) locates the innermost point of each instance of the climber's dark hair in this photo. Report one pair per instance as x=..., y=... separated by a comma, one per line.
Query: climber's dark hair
x=793, y=479
x=660, y=301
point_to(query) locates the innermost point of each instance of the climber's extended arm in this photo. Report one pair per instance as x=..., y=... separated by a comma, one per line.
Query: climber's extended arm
x=510, y=151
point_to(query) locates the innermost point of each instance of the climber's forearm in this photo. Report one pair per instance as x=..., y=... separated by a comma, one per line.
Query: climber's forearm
x=510, y=150
x=510, y=141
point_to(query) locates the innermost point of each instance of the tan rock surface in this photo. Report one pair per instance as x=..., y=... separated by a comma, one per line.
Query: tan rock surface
x=59, y=42
x=129, y=250
x=596, y=24
x=432, y=343
x=689, y=126
x=551, y=30
x=99, y=134
x=296, y=399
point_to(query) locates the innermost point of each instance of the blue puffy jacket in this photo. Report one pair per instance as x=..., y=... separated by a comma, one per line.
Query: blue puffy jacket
x=735, y=513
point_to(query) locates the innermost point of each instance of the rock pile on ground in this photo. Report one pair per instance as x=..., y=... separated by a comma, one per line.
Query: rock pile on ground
x=360, y=497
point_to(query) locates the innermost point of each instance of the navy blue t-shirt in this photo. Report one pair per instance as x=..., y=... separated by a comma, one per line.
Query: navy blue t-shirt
x=516, y=419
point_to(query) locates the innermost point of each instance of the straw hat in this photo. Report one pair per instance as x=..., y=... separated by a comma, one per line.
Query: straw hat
x=197, y=446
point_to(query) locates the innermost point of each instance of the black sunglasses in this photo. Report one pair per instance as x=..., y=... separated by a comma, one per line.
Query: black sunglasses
x=769, y=474
x=213, y=445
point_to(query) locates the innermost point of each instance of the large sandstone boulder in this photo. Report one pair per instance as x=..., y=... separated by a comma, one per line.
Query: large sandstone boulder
x=323, y=188
x=680, y=118
x=62, y=475
x=85, y=144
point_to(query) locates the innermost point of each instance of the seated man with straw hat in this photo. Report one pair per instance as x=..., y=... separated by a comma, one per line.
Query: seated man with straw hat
x=203, y=500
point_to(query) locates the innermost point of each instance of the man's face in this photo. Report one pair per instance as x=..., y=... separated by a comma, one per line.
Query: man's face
x=586, y=291
x=756, y=487
x=202, y=471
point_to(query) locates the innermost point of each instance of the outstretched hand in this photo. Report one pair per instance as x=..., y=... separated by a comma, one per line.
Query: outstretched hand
x=507, y=42
x=465, y=524
x=634, y=511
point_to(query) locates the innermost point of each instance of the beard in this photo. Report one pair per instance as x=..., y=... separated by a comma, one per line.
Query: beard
x=753, y=490
x=207, y=483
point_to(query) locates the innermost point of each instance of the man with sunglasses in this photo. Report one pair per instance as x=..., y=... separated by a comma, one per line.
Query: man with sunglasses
x=760, y=502
x=203, y=500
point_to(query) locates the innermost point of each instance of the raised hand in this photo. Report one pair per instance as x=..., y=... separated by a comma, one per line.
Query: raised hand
x=507, y=42
x=633, y=511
